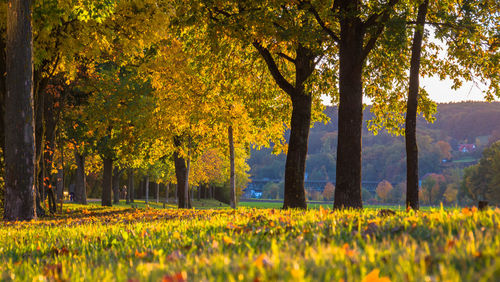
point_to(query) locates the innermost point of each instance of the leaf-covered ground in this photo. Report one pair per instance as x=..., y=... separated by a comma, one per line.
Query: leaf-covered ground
x=97, y=244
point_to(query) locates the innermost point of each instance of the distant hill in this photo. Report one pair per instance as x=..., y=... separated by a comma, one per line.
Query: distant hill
x=475, y=123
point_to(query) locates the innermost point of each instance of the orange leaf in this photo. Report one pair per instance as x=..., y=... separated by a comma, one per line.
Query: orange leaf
x=262, y=260
x=374, y=277
x=177, y=277
x=227, y=240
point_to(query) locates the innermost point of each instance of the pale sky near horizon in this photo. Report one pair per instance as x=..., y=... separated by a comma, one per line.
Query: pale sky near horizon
x=440, y=91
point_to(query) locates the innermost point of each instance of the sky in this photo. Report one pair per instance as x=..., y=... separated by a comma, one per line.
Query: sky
x=440, y=91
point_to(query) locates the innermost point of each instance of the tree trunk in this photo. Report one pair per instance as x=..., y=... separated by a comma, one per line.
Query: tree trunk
x=166, y=192
x=157, y=185
x=117, y=173
x=411, y=112
x=130, y=194
x=3, y=64
x=187, y=193
x=176, y=195
x=146, y=187
x=182, y=175
x=232, y=179
x=60, y=177
x=60, y=185
x=301, y=121
x=350, y=116
x=107, y=182
x=199, y=192
x=81, y=179
x=295, y=166
x=19, y=118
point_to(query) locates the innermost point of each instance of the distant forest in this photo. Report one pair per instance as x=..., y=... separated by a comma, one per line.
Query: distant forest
x=454, y=141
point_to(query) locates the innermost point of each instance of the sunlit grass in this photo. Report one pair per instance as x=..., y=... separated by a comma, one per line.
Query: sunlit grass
x=120, y=243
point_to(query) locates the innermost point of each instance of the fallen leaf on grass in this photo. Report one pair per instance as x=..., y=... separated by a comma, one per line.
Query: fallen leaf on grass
x=52, y=270
x=175, y=255
x=262, y=260
x=140, y=254
x=374, y=277
x=228, y=240
x=59, y=252
x=177, y=277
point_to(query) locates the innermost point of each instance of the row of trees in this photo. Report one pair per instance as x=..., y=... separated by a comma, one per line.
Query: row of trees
x=154, y=85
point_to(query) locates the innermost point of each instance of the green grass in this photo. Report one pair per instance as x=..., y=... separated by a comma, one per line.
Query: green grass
x=465, y=160
x=141, y=204
x=93, y=243
x=327, y=205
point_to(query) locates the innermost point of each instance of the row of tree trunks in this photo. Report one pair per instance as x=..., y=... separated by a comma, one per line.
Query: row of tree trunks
x=411, y=111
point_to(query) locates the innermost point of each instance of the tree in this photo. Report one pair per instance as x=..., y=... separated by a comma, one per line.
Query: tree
x=271, y=191
x=232, y=177
x=482, y=181
x=355, y=28
x=328, y=191
x=450, y=194
x=384, y=189
x=470, y=41
x=411, y=111
x=433, y=186
x=281, y=35
x=444, y=149
x=19, y=122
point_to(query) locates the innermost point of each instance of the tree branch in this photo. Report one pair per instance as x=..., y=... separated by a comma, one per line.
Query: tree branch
x=380, y=20
x=372, y=20
x=285, y=56
x=322, y=23
x=273, y=68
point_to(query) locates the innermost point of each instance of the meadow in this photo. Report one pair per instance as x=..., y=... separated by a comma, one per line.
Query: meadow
x=249, y=244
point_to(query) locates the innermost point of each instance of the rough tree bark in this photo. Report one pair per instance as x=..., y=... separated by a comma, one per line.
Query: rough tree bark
x=232, y=178
x=300, y=123
x=350, y=116
x=81, y=179
x=107, y=182
x=354, y=47
x=19, y=117
x=411, y=111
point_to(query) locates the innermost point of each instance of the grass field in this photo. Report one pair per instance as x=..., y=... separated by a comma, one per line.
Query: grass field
x=124, y=244
x=325, y=205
